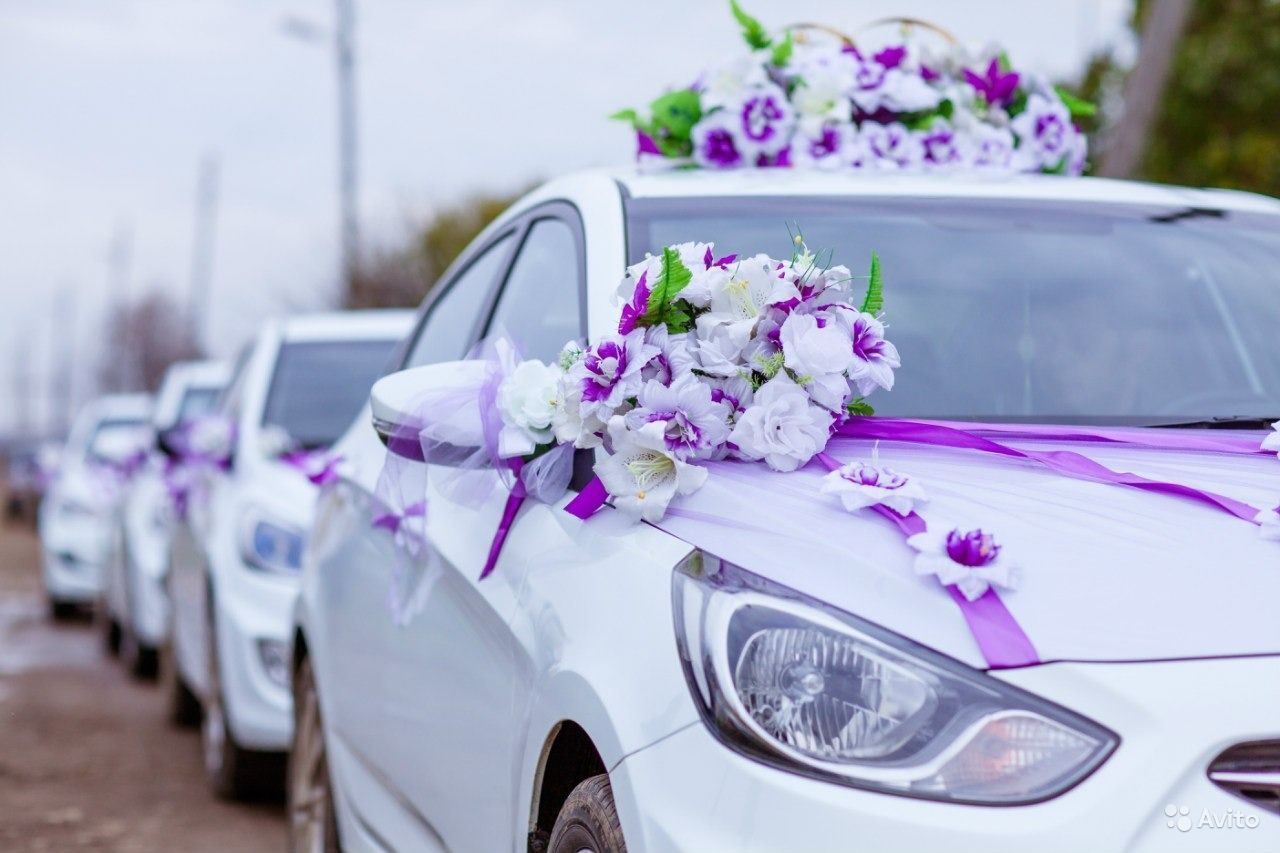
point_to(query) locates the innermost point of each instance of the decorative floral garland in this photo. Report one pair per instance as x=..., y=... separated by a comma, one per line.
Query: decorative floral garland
x=808, y=98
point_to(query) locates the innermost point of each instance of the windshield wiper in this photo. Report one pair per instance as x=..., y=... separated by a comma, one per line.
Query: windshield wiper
x=1222, y=422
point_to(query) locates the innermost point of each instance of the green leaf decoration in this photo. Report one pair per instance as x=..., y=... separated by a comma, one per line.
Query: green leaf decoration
x=782, y=50
x=873, y=303
x=676, y=113
x=1078, y=107
x=859, y=407
x=630, y=116
x=671, y=280
x=753, y=32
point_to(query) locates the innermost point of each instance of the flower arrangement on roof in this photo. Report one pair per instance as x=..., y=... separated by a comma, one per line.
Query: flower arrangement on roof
x=807, y=97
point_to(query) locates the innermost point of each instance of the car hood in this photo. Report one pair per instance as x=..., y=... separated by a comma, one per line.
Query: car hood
x=1108, y=573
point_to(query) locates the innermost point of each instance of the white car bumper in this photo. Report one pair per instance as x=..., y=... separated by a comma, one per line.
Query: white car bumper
x=690, y=792
x=253, y=622
x=73, y=556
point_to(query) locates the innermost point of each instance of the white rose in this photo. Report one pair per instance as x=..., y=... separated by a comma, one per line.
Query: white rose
x=812, y=350
x=781, y=426
x=527, y=400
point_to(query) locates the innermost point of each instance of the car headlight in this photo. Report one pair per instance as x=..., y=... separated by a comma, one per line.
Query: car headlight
x=270, y=545
x=802, y=686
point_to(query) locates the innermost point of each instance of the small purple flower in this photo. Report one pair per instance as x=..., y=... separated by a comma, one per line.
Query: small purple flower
x=692, y=424
x=891, y=57
x=1045, y=133
x=605, y=365
x=862, y=474
x=761, y=115
x=610, y=372
x=972, y=549
x=892, y=146
x=715, y=144
x=941, y=145
x=995, y=86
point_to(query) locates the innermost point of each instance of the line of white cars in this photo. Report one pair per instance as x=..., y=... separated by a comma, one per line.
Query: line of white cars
x=612, y=687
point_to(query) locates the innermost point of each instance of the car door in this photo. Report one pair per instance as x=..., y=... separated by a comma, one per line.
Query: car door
x=369, y=587
x=452, y=681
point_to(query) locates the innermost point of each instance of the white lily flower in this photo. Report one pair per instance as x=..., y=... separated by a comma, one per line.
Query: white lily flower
x=642, y=475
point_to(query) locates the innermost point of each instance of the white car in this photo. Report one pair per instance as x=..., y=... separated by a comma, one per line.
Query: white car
x=234, y=560
x=134, y=607
x=105, y=446
x=609, y=684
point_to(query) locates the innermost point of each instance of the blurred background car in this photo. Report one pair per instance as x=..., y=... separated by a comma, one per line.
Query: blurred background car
x=107, y=444
x=135, y=612
x=30, y=466
x=236, y=554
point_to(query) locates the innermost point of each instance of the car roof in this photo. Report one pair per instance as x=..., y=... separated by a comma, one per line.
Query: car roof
x=668, y=183
x=376, y=324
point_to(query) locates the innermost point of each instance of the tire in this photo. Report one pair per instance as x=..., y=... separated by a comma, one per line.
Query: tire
x=588, y=820
x=141, y=661
x=183, y=708
x=62, y=611
x=110, y=631
x=233, y=773
x=313, y=821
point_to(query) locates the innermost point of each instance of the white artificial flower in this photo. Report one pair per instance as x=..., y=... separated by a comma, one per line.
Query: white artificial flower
x=1269, y=523
x=828, y=146
x=727, y=84
x=781, y=426
x=610, y=373
x=970, y=561
x=693, y=425
x=753, y=287
x=823, y=76
x=568, y=421
x=1046, y=136
x=1272, y=442
x=814, y=347
x=859, y=485
x=527, y=399
x=641, y=474
x=890, y=146
x=720, y=344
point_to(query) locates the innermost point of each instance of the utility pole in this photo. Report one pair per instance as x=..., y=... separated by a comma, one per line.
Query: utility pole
x=202, y=248
x=342, y=37
x=348, y=179
x=1161, y=29
x=62, y=342
x=119, y=270
x=22, y=382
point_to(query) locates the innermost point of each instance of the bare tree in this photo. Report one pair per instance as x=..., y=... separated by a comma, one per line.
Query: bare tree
x=1162, y=26
x=143, y=337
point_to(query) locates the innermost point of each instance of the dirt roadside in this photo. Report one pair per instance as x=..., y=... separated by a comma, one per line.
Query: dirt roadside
x=87, y=759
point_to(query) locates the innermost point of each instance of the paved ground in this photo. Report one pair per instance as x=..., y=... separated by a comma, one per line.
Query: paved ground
x=87, y=760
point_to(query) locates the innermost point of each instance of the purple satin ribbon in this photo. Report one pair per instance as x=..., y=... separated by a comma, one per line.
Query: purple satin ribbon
x=514, y=501
x=1000, y=638
x=393, y=521
x=590, y=499
x=1145, y=437
x=1065, y=462
x=305, y=461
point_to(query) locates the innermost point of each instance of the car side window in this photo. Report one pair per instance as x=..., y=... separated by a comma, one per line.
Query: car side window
x=540, y=305
x=445, y=333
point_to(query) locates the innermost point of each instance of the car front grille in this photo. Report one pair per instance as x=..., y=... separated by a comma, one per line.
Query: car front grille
x=1251, y=771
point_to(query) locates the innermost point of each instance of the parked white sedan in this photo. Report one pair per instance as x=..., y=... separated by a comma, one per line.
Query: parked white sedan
x=608, y=681
x=106, y=444
x=235, y=557
x=135, y=609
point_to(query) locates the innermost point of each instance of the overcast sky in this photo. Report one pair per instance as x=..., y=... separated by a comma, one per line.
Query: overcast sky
x=107, y=106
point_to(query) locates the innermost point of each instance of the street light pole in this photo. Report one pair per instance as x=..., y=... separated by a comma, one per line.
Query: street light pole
x=348, y=178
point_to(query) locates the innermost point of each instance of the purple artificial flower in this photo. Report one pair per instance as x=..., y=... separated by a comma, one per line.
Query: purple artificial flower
x=891, y=57
x=693, y=426
x=714, y=142
x=892, y=146
x=972, y=549
x=646, y=146
x=609, y=373
x=673, y=358
x=1045, y=133
x=634, y=310
x=942, y=145
x=874, y=358
x=995, y=86
x=761, y=114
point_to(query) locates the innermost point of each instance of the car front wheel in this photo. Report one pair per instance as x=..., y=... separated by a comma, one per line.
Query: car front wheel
x=313, y=826
x=588, y=820
x=234, y=773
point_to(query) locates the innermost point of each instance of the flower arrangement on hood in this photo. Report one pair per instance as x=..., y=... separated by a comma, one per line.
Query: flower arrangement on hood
x=715, y=357
x=807, y=98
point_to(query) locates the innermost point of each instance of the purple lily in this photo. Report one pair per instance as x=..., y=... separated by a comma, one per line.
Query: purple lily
x=996, y=87
x=634, y=310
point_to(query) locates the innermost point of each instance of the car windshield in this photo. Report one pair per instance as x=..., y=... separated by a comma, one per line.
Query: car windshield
x=116, y=438
x=197, y=401
x=1036, y=311
x=319, y=386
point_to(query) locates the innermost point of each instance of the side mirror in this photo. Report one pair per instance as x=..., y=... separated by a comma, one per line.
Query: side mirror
x=431, y=413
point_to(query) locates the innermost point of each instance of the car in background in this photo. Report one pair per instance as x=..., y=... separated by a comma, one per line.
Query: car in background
x=134, y=610
x=609, y=681
x=234, y=559
x=30, y=466
x=107, y=443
